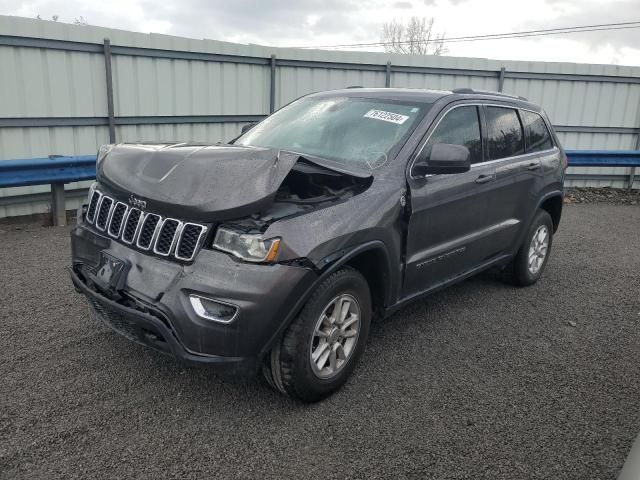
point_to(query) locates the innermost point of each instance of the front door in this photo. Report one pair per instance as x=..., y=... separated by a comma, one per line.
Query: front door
x=447, y=232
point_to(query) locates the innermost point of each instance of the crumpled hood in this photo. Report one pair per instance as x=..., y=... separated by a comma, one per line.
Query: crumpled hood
x=195, y=182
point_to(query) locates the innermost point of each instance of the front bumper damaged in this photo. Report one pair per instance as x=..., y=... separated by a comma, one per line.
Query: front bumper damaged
x=152, y=306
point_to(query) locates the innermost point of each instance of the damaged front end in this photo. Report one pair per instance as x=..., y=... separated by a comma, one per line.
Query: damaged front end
x=307, y=187
x=156, y=248
x=182, y=197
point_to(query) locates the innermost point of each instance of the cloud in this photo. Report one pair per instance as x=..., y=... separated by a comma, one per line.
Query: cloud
x=330, y=22
x=563, y=13
x=273, y=21
x=257, y=21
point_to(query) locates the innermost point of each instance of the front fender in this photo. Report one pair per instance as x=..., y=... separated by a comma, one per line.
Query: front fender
x=335, y=262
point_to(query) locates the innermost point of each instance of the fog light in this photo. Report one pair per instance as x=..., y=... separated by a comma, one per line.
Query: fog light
x=213, y=310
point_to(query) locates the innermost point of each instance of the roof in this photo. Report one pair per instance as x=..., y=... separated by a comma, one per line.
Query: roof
x=407, y=94
x=424, y=95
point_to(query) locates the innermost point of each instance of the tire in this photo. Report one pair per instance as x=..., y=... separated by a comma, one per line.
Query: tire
x=290, y=368
x=519, y=271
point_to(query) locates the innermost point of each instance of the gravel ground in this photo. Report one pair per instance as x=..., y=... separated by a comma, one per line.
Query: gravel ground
x=479, y=381
x=618, y=196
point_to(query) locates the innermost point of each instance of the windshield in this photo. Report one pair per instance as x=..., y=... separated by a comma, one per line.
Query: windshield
x=355, y=132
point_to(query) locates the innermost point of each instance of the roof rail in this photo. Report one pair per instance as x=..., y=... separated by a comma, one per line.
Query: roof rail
x=487, y=92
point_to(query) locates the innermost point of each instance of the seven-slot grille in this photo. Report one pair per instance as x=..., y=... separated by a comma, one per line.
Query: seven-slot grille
x=148, y=230
x=167, y=236
x=191, y=233
x=145, y=230
x=103, y=212
x=117, y=217
x=93, y=206
x=131, y=225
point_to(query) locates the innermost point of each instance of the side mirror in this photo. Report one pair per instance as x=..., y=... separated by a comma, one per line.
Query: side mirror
x=442, y=158
x=247, y=127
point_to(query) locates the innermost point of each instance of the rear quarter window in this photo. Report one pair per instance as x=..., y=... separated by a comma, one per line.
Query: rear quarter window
x=536, y=133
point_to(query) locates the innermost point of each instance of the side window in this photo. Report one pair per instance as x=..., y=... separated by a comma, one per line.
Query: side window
x=536, y=133
x=460, y=126
x=504, y=133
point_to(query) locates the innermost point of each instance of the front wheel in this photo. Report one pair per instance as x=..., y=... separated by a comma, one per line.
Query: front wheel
x=528, y=264
x=320, y=349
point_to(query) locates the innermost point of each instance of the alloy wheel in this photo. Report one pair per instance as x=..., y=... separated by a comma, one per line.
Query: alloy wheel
x=538, y=249
x=335, y=336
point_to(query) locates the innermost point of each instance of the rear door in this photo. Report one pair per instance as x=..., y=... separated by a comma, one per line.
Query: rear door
x=447, y=227
x=518, y=173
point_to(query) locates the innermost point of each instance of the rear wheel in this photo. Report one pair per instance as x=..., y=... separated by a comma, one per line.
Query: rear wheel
x=528, y=264
x=320, y=348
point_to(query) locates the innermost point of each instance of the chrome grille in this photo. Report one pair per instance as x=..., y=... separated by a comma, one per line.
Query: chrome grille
x=131, y=225
x=103, y=212
x=167, y=236
x=117, y=217
x=146, y=231
x=189, y=240
x=93, y=206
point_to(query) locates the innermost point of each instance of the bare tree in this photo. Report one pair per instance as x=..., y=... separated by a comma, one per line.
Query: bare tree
x=77, y=21
x=54, y=18
x=415, y=37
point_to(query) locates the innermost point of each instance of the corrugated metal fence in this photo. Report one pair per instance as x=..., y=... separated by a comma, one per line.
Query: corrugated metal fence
x=65, y=90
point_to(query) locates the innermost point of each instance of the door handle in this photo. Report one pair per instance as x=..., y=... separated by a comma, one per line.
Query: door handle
x=533, y=166
x=484, y=178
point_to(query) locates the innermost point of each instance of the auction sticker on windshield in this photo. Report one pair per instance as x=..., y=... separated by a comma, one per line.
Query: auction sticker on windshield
x=386, y=116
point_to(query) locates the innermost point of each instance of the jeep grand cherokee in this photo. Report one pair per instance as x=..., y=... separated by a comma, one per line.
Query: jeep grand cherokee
x=275, y=251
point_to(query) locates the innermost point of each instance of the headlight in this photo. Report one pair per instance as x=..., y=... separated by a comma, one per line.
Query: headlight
x=249, y=247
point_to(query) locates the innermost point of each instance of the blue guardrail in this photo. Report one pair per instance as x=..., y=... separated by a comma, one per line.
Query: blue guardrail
x=54, y=169
x=603, y=158
x=60, y=169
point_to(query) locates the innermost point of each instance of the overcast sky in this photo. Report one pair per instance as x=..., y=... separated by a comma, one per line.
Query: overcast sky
x=330, y=22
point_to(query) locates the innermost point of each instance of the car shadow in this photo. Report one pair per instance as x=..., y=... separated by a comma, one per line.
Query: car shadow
x=197, y=387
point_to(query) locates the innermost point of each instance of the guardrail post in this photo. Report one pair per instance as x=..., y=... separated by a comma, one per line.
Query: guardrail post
x=387, y=77
x=58, y=210
x=109, y=78
x=272, y=86
x=632, y=173
x=501, y=79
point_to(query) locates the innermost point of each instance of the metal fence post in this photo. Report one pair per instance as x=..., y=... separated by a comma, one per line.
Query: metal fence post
x=272, y=86
x=501, y=79
x=109, y=78
x=632, y=173
x=58, y=209
x=387, y=78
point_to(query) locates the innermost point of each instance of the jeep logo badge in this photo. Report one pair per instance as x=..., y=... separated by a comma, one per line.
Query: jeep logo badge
x=136, y=202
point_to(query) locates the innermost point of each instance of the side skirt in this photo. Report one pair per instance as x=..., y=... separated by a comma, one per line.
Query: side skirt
x=500, y=260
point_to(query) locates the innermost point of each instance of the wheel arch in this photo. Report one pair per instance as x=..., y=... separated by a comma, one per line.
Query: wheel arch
x=360, y=258
x=552, y=204
x=372, y=260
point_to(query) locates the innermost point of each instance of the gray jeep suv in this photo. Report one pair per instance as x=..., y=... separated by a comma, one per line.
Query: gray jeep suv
x=275, y=251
